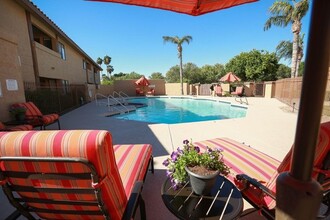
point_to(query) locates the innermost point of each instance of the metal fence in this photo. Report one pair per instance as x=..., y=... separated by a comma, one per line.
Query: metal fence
x=59, y=99
x=288, y=91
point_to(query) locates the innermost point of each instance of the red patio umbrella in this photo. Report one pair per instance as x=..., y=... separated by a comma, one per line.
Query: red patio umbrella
x=191, y=7
x=230, y=77
x=143, y=81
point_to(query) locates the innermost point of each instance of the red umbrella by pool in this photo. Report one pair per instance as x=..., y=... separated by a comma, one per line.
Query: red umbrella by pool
x=230, y=77
x=143, y=81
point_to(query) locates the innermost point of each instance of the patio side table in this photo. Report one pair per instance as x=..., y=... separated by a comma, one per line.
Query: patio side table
x=224, y=202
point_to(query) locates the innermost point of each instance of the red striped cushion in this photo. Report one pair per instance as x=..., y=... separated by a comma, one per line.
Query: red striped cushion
x=20, y=128
x=243, y=159
x=132, y=162
x=48, y=119
x=31, y=109
x=95, y=146
x=2, y=126
x=322, y=149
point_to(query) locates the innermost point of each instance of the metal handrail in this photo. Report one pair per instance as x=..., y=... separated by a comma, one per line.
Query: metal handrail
x=101, y=95
x=122, y=96
x=110, y=97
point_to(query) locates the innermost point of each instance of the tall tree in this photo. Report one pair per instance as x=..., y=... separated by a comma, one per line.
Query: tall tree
x=106, y=60
x=179, y=42
x=255, y=65
x=157, y=75
x=283, y=13
x=284, y=50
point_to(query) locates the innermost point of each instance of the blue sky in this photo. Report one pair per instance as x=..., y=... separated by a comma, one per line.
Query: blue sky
x=132, y=35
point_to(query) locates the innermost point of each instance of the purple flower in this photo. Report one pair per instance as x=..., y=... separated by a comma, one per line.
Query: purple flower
x=179, y=151
x=174, y=156
x=219, y=149
x=166, y=162
x=169, y=173
x=185, y=142
x=197, y=149
x=209, y=150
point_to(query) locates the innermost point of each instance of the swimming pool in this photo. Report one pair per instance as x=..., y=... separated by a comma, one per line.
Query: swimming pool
x=181, y=110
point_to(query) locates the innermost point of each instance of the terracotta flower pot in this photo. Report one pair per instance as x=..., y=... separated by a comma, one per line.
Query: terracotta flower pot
x=200, y=184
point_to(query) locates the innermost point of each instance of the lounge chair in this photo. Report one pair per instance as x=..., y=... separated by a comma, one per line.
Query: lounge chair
x=35, y=118
x=151, y=91
x=255, y=173
x=75, y=174
x=218, y=90
x=239, y=93
x=139, y=91
x=22, y=127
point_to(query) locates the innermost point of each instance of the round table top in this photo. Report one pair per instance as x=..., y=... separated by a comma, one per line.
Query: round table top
x=224, y=202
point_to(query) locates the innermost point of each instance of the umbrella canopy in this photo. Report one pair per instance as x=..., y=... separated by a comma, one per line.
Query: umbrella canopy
x=191, y=7
x=142, y=82
x=229, y=77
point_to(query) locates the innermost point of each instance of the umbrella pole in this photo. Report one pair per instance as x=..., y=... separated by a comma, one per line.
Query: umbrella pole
x=298, y=196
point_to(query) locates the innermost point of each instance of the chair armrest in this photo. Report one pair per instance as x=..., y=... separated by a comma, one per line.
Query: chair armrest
x=133, y=201
x=255, y=183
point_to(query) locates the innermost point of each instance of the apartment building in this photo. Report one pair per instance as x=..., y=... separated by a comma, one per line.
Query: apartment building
x=35, y=51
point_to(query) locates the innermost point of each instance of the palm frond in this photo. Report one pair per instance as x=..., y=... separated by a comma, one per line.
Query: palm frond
x=300, y=9
x=281, y=8
x=284, y=50
x=281, y=21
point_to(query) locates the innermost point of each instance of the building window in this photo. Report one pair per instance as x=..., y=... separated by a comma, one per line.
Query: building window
x=61, y=50
x=42, y=38
x=66, y=87
x=84, y=64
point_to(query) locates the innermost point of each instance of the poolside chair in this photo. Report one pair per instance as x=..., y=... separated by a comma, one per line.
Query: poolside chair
x=255, y=173
x=151, y=91
x=218, y=90
x=35, y=118
x=139, y=91
x=76, y=174
x=22, y=127
x=239, y=94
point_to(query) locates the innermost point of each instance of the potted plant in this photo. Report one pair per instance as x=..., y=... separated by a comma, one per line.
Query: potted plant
x=202, y=168
x=18, y=112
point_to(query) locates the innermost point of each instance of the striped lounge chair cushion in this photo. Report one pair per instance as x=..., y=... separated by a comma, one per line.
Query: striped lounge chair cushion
x=20, y=128
x=243, y=159
x=15, y=128
x=2, y=126
x=132, y=162
x=321, y=151
x=265, y=169
x=94, y=146
x=34, y=114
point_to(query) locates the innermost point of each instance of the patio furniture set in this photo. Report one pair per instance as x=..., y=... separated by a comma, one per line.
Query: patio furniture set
x=76, y=174
x=32, y=118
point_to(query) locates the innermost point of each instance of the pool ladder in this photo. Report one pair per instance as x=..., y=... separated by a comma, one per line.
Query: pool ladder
x=118, y=105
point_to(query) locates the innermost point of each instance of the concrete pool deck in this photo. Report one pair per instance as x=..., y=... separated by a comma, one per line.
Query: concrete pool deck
x=269, y=126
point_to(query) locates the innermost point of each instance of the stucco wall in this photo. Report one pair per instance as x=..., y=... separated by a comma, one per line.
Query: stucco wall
x=10, y=69
x=13, y=21
x=175, y=88
x=51, y=65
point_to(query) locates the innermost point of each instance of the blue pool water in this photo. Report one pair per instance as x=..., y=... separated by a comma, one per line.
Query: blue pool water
x=181, y=110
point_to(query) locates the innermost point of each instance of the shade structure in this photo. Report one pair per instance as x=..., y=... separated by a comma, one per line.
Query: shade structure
x=191, y=7
x=230, y=77
x=143, y=81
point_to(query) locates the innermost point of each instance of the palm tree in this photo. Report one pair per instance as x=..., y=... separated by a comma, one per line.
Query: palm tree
x=286, y=12
x=284, y=50
x=179, y=42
